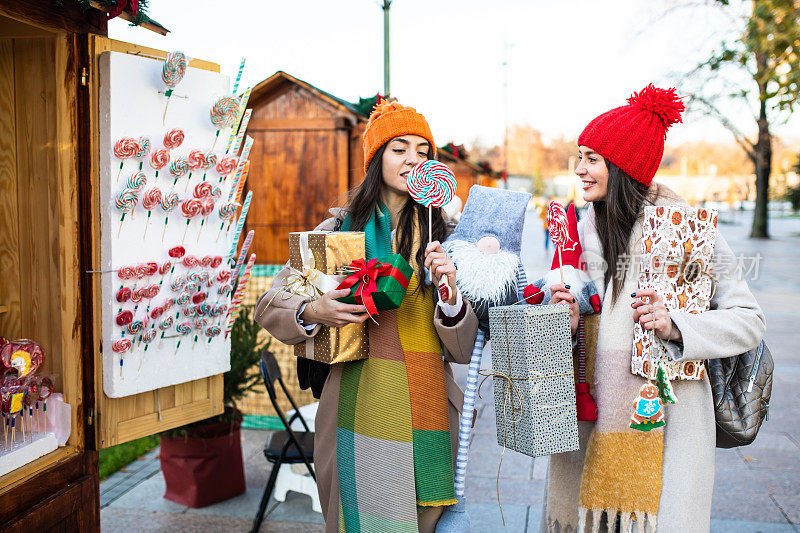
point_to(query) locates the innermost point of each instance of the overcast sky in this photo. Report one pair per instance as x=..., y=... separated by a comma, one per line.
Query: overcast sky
x=568, y=60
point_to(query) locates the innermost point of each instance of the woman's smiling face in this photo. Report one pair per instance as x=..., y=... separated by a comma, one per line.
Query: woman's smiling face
x=400, y=156
x=593, y=172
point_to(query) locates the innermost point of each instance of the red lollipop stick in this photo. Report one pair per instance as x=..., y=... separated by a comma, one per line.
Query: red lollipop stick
x=433, y=184
x=558, y=227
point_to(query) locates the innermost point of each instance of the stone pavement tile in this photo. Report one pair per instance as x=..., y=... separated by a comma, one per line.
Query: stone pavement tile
x=761, y=481
x=148, y=496
x=772, y=450
x=727, y=459
x=243, y=505
x=485, y=457
x=296, y=508
x=151, y=521
x=742, y=526
x=512, y=491
x=485, y=517
x=253, y=441
x=790, y=503
x=534, y=518
x=745, y=505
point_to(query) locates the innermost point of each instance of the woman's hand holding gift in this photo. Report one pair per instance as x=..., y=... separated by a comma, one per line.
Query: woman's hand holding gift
x=330, y=312
x=439, y=264
x=560, y=295
x=653, y=314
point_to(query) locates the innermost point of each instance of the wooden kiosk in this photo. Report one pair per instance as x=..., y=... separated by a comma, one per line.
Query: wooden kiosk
x=49, y=241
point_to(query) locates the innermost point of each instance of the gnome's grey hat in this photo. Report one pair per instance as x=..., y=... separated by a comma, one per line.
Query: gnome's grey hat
x=487, y=204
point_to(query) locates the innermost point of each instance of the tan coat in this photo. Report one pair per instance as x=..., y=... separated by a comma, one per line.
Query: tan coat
x=280, y=319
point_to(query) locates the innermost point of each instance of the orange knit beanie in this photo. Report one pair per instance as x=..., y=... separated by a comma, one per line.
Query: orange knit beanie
x=389, y=120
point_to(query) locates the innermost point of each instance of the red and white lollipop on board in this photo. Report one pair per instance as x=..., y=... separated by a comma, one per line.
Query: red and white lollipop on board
x=432, y=184
x=558, y=227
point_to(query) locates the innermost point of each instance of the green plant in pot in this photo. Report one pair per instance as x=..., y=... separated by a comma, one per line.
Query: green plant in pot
x=202, y=461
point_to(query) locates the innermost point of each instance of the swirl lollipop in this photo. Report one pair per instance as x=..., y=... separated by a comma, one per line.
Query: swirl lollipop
x=125, y=148
x=202, y=190
x=196, y=161
x=558, y=227
x=205, y=210
x=144, y=149
x=183, y=329
x=190, y=208
x=172, y=74
x=169, y=202
x=210, y=161
x=178, y=168
x=150, y=200
x=225, y=166
x=158, y=160
x=137, y=181
x=226, y=214
x=125, y=201
x=120, y=347
x=432, y=184
x=173, y=138
x=223, y=114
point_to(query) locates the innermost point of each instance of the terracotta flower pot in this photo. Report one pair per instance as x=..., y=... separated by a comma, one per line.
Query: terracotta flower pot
x=204, y=467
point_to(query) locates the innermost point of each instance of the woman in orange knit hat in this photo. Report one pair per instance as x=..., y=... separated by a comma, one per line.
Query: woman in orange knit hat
x=386, y=428
x=648, y=476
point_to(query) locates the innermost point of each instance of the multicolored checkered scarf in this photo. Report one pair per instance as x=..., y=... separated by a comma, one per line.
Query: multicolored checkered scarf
x=393, y=440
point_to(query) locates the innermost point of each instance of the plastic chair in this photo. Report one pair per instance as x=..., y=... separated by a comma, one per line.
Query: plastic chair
x=283, y=447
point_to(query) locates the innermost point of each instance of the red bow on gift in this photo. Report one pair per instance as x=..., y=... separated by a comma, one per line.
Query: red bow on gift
x=365, y=272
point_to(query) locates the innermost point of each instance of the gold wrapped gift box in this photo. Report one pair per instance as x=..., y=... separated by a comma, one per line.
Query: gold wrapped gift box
x=328, y=253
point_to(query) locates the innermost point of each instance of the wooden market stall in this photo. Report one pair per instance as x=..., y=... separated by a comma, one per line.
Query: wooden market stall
x=49, y=244
x=308, y=152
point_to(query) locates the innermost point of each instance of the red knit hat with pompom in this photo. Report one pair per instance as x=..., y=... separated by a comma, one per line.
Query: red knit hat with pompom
x=632, y=136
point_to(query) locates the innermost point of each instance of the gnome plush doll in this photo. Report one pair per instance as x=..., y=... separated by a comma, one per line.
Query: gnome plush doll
x=571, y=267
x=485, y=248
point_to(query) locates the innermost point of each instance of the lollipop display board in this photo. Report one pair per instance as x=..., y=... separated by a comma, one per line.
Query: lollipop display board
x=166, y=226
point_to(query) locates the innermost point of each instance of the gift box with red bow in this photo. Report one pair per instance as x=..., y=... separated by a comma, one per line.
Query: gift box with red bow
x=378, y=284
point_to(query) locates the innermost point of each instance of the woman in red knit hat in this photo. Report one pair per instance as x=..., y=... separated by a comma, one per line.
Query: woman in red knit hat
x=662, y=478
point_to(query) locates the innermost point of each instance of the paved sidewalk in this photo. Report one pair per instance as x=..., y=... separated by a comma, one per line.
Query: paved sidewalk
x=757, y=488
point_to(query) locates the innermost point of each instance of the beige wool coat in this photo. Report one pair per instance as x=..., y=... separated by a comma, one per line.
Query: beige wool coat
x=280, y=319
x=733, y=325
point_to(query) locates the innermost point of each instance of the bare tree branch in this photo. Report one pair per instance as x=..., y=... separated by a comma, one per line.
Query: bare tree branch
x=712, y=110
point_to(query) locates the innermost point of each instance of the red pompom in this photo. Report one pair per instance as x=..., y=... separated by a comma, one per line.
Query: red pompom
x=533, y=295
x=584, y=403
x=663, y=102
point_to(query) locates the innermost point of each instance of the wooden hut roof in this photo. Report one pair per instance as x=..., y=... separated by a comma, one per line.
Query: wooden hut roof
x=273, y=85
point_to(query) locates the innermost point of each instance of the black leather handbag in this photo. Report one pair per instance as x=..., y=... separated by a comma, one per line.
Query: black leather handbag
x=741, y=386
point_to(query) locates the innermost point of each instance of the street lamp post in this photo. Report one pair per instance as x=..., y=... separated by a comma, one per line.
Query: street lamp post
x=386, y=5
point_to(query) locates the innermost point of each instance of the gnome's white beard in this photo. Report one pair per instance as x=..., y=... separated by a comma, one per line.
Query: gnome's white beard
x=482, y=277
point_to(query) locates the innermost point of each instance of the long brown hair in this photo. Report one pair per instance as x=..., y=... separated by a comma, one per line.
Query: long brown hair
x=615, y=217
x=364, y=200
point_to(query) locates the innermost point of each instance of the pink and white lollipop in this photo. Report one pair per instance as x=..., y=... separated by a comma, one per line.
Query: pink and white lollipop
x=150, y=200
x=190, y=208
x=223, y=114
x=158, y=160
x=558, y=227
x=173, y=138
x=125, y=201
x=125, y=148
x=432, y=184
x=172, y=74
x=169, y=201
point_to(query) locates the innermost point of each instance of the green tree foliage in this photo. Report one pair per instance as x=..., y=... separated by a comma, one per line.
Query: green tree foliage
x=768, y=53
